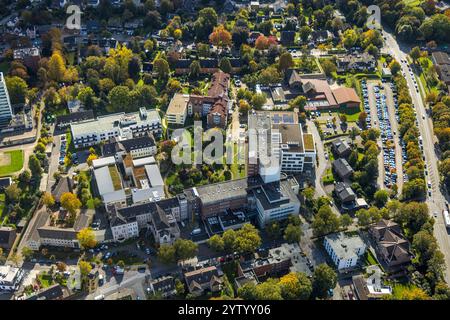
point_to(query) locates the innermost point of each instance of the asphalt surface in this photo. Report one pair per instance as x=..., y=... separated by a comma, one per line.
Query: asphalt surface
x=375, y=122
x=436, y=203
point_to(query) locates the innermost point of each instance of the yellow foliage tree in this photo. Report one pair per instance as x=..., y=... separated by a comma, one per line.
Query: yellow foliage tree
x=56, y=67
x=48, y=199
x=70, y=202
x=85, y=267
x=91, y=158
x=86, y=238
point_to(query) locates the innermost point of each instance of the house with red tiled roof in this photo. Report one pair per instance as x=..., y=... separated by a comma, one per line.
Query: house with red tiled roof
x=346, y=97
x=215, y=104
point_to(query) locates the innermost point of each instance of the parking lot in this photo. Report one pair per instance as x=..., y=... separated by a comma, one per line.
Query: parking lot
x=375, y=100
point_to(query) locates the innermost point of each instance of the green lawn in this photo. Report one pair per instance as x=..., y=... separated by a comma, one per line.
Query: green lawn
x=328, y=177
x=370, y=259
x=45, y=280
x=16, y=163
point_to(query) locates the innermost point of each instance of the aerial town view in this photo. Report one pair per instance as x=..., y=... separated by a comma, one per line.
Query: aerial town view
x=224, y=150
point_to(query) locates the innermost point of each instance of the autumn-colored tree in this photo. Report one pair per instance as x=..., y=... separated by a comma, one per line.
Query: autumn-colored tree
x=91, y=158
x=61, y=266
x=85, y=267
x=295, y=286
x=70, y=202
x=220, y=37
x=177, y=34
x=48, y=199
x=56, y=67
x=262, y=43
x=86, y=238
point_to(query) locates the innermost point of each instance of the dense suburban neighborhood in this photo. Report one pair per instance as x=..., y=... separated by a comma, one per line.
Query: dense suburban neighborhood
x=224, y=150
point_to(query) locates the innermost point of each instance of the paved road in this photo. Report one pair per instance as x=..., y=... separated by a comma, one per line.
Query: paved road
x=436, y=202
x=323, y=163
x=321, y=156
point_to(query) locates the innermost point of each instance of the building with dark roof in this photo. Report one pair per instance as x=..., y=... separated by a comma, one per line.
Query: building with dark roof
x=159, y=217
x=5, y=182
x=163, y=286
x=341, y=148
x=64, y=185
x=356, y=62
x=342, y=168
x=54, y=292
x=218, y=197
x=344, y=192
x=7, y=237
x=202, y=280
x=391, y=245
x=274, y=262
x=287, y=37
x=442, y=62
x=64, y=121
x=138, y=147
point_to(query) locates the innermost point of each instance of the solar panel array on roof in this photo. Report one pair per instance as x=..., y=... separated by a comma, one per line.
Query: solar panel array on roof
x=288, y=118
x=276, y=118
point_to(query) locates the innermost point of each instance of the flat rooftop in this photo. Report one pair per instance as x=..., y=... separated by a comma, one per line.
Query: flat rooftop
x=344, y=246
x=224, y=190
x=109, y=122
x=178, y=104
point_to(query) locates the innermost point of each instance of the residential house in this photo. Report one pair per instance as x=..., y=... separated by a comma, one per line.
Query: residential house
x=344, y=250
x=344, y=192
x=363, y=62
x=7, y=237
x=441, y=60
x=274, y=262
x=341, y=148
x=54, y=292
x=370, y=288
x=202, y=280
x=163, y=286
x=216, y=104
x=159, y=217
x=29, y=56
x=342, y=168
x=391, y=245
x=164, y=226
